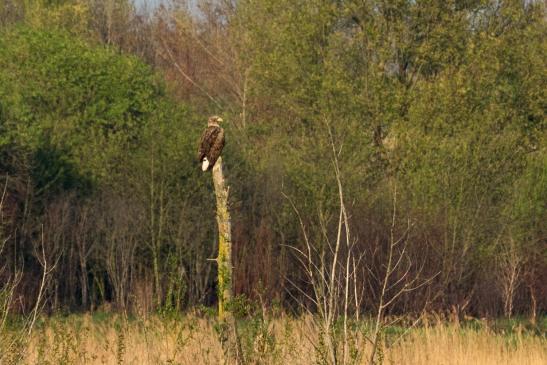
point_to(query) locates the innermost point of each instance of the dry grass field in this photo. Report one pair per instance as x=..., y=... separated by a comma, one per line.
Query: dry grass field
x=110, y=339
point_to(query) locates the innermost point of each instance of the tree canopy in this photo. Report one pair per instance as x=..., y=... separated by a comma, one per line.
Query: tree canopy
x=437, y=107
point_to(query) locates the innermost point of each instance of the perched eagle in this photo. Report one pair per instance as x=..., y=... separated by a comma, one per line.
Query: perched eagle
x=211, y=143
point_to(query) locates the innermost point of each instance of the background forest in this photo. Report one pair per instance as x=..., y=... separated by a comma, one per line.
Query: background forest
x=429, y=114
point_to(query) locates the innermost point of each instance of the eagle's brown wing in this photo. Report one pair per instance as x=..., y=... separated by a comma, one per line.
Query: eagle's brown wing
x=216, y=148
x=207, y=140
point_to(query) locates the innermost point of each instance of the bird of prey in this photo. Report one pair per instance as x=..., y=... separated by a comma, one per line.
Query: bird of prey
x=211, y=143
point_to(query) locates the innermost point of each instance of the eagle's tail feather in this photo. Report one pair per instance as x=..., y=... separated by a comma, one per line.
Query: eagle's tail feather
x=205, y=164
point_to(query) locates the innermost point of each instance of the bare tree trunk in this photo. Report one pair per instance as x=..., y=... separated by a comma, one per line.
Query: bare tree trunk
x=83, y=282
x=511, y=264
x=229, y=337
x=224, y=259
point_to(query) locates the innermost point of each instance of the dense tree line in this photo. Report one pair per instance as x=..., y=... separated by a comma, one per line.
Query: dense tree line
x=434, y=110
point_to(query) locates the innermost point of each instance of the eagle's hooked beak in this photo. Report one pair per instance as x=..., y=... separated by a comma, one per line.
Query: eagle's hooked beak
x=220, y=120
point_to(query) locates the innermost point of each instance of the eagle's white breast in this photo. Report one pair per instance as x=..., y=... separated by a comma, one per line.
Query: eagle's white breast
x=205, y=164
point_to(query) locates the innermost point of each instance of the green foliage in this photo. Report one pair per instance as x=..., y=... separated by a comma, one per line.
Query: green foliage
x=444, y=99
x=71, y=15
x=58, y=91
x=84, y=119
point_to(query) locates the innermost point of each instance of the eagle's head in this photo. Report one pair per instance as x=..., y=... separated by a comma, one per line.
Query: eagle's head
x=215, y=120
